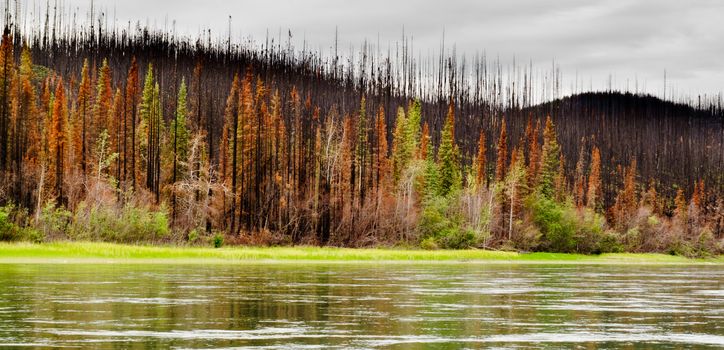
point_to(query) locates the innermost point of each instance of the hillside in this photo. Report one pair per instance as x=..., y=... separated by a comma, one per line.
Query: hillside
x=137, y=136
x=674, y=144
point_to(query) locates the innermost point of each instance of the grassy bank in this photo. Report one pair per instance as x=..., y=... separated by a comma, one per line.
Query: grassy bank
x=84, y=252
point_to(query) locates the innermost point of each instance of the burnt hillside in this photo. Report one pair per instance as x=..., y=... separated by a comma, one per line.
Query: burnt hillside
x=674, y=143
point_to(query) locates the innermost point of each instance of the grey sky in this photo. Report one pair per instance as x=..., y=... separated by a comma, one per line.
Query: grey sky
x=629, y=39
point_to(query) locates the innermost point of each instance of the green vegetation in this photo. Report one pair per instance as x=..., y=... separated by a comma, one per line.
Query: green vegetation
x=110, y=252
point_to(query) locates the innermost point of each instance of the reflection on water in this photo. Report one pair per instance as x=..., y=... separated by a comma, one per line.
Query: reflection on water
x=370, y=306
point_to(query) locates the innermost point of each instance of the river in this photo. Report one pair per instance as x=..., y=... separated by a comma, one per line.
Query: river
x=361, y=306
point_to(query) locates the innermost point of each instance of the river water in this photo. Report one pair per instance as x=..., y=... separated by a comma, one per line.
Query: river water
x=363, y=306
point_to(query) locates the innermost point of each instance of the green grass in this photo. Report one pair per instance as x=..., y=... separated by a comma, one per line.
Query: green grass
x=84, y=252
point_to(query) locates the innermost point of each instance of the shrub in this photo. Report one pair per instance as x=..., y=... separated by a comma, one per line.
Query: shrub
x=193, y=236
x=608, y=242
x=556, y=223
x=218, y=240
x=706, y=244
x=526, y=237
x=429, y=244
x=127, y=225
x=443, y=225
x=591, y=238
x=457, y=238
x=32, y=234
x=9, y=231
x=54, y=222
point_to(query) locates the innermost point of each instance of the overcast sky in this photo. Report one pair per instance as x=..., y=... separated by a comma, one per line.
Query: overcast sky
x=628, y=38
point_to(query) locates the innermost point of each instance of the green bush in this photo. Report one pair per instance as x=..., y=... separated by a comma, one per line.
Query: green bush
x=591, y=238
x=526, y=237
x=218, y=240
x=54, y=222
x=9, y=231
x=556, y=222
x=127, y=225
x=442, y=225
x=706, y=244
x=429, y=244
x=434, y=219
x=33, y=235
x=14, y=225
x=193, y=236
x=682, y=248
x=457, y=238
x=608, y=242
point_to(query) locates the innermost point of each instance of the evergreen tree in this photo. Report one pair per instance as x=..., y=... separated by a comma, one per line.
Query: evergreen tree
x=180, y=134
x=28, y=127
x=412, y=130
x=424, y=142
x=81, y=121
x=58, y=140
x=104, y=97
x=361, y=151
x=480, y=162
x=594, y=194
x=650, y=198
x=500, y=164
x=400, y=146
x=448, y=156
x=681, y=208
x=382, y=167
x=533, y=155
x=624, y=207
x=580, y=178
x=7, y=67
x=130, y=161
x=150, y=130
x=550, y=160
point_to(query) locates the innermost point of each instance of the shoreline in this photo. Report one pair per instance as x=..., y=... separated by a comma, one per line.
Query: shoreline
x=112, y=253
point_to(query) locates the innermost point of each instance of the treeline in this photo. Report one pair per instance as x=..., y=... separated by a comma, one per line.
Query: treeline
x=267, y=146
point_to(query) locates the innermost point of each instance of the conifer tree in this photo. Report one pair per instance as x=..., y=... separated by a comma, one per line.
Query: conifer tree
x=83, y=111
x=502, y=153
x=681, y=208
x=117, y=138
x=229, y=146
x=650, y=198
x=130, y=157
x=699, y=196
x=448, y=156
x=560, y=183
x=412, y=130
x=580, y=179
x=533, y=155
x=594, y=193
x=480, y=162
x=624, y=206
x=361, y=152
x=28, y=127
x=7, y=68
x=151, y=129
x=550, y=160
x=400, y=151
x=104, y=97
x=382, y=166
x=180, y=134
x=57, y=140
x=424, y=142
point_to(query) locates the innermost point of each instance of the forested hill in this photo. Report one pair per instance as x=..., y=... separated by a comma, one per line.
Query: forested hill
x=675, y=144
x=347, y=150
